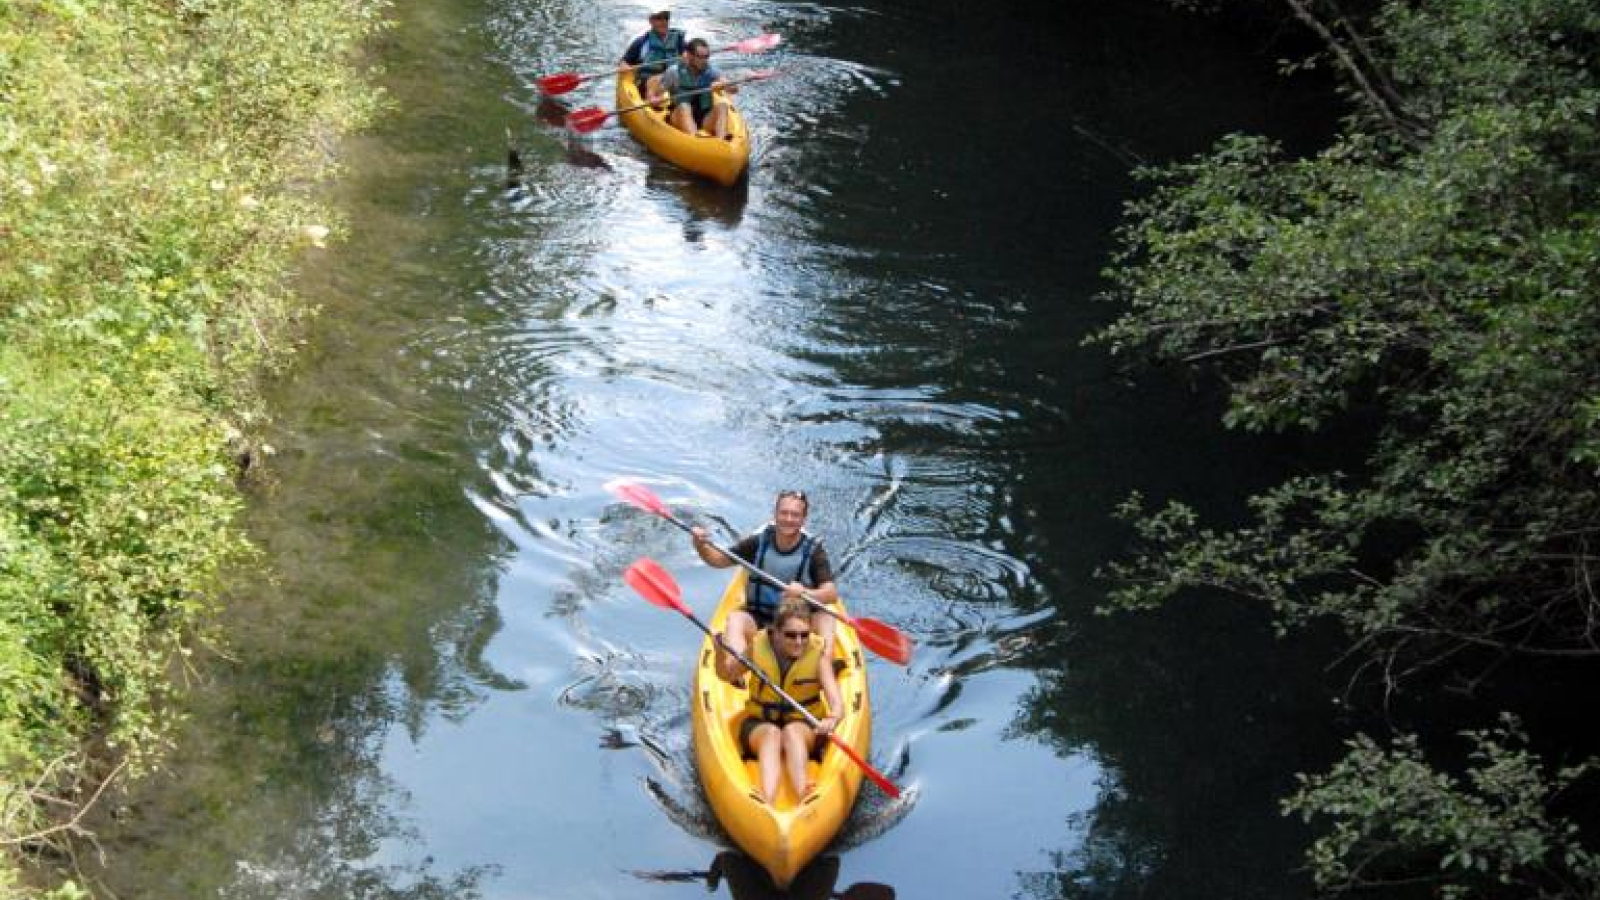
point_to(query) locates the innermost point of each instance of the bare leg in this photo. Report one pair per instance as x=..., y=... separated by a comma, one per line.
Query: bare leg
x=717, y=120
x=797, y=739
x=824, y=625
x=740, y=629
x=652, y=88
x=683, y=118
x=767, y=741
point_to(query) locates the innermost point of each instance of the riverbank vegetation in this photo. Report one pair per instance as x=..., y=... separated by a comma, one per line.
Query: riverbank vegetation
x=153, y=155
x=1423, y=293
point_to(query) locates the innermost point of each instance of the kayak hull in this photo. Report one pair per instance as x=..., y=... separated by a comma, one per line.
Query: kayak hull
x=788, y=834
x=723, y=161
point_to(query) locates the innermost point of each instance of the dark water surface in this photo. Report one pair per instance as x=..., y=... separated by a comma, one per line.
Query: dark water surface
x=445, y=689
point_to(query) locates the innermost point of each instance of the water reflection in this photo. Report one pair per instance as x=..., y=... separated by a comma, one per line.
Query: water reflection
x=747, y=880
x=552, y=113
x=702, y=202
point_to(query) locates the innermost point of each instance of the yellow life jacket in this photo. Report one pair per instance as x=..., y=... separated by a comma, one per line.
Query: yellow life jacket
x=801, y=682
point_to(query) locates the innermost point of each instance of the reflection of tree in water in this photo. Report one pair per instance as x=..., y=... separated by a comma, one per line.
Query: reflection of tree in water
x=1196, y=746
x=377, y=613
x=282, y=793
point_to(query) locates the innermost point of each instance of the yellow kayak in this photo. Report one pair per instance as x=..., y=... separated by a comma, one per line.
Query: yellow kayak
x=785, y=836
x=721, y=161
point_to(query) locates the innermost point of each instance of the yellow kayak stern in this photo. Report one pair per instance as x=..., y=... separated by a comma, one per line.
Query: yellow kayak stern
x=788, y=834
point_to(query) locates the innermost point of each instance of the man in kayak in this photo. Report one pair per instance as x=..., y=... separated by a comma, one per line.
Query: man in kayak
x=774, y=732
x=703, y=108
x=789, y=553
x=654, y=51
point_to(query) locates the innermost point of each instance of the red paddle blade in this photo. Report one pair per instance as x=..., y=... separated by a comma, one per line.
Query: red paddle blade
x=654, y=584
x=884, y=639
x=560, y=83
x=757, y=44
x=587, y=119
x=876, y=776
x=637, y=494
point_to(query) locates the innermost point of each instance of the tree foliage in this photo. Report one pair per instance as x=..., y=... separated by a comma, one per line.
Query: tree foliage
x=1424, y=292
x=1403, y=822
x=1440, y=285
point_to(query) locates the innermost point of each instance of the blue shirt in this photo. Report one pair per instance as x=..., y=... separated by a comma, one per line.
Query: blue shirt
x=679, y=79
x=667, y=48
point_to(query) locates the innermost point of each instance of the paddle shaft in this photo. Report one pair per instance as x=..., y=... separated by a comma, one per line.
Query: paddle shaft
x=876, y=636
x=668, y=62
x=812, y=720
x=562, y=82
x=681, y=94
x=654, y=583
x=873, y=774
x=620, y=70
x=674, y=97
x=761, y=573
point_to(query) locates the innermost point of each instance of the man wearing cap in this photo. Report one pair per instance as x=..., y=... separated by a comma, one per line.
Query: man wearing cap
x=653, y=51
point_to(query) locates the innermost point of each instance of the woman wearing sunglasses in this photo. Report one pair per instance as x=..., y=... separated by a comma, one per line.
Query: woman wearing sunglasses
x=787, y=552
x=773, y=731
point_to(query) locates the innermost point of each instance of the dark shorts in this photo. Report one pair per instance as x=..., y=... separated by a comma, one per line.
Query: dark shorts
x=695, y=110
x=748, y=727
x=763, y=617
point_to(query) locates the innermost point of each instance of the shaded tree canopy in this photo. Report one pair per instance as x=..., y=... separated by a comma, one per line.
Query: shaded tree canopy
x=1434, y=272
x=1423, y=292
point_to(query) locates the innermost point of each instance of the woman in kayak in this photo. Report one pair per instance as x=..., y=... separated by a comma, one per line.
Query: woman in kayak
x=773, y=731
x=789, y=553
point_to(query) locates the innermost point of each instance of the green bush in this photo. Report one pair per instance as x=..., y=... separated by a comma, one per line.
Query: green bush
x=153, y=158
x=1400, y=821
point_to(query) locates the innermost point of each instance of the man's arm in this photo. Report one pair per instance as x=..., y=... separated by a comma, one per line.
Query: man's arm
x=824, y=592
x=666, y=85
x=635, y=52
x=745, y=549
x=821, y=573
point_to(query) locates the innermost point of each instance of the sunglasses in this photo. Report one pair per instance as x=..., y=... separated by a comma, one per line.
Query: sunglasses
x=702, y=56
x=797, y=635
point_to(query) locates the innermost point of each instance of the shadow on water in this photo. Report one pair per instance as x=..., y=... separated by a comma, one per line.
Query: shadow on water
x=702, y=202
x=747, y=880
x=552, y=113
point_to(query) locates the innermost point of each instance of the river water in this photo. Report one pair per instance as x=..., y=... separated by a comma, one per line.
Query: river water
x=437, y=684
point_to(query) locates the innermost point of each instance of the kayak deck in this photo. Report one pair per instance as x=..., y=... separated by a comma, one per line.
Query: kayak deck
x=786, y=835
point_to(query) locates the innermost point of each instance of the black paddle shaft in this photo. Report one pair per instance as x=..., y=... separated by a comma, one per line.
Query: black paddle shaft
x=681, y=94
x=755, y=671
x=753, y=569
